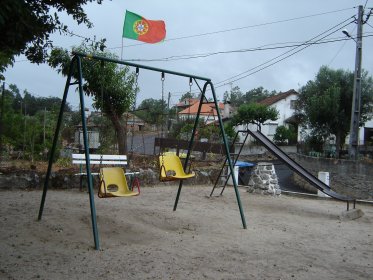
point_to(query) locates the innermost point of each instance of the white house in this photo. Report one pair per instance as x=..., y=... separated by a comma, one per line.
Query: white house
x=284, y=103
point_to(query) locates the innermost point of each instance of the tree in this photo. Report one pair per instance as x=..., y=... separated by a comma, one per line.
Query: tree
x=25, y=27
x=235, y=96
x=152, y=111
x=186, y=96
x=257, y=94
x=285, y=135
x=325, y=103
x=111, y=87
x=254, y=113
x=28, y=126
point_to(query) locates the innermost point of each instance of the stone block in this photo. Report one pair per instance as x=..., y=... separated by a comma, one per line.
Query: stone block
x=352, y=214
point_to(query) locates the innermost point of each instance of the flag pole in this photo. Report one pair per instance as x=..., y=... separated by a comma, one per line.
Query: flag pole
x=121, y=52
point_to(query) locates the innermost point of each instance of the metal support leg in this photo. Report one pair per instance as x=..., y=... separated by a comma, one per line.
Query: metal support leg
x=191, y=142
x=87, y=158
x=55, y=139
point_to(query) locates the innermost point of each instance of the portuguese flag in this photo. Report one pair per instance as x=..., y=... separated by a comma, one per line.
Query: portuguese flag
x=138, y=28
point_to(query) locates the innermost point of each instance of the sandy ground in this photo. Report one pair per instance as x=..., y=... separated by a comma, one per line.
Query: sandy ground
x=142, y=238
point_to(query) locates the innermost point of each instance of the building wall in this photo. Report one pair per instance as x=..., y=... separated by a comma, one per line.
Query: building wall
x=269, y=128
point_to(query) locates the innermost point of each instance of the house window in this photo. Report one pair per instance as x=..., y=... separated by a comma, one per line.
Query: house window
x=292, y=104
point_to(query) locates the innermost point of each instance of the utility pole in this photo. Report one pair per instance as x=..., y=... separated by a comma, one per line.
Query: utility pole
x=353, y=149
x=1, y=121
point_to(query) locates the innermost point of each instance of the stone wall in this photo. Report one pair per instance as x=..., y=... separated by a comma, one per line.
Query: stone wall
x=264, y=179
x=63, y=179
x=352, y=178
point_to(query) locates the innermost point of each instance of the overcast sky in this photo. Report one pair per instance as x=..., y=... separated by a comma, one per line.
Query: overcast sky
x=233, y=25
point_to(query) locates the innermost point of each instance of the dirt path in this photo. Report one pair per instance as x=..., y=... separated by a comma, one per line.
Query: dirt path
x=142, y=238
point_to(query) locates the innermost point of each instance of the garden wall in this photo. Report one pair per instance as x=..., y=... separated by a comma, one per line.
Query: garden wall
x=353, y=178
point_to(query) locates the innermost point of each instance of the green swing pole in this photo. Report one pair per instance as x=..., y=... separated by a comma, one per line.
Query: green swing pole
x=128, y=63
x=225, y=147
x=87, y=158
x=191, y=141
x=55, y=138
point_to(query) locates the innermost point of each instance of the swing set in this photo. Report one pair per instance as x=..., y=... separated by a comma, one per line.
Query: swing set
x=171, y=167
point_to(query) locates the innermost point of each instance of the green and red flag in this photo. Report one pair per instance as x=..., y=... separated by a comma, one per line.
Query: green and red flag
x=138, y=28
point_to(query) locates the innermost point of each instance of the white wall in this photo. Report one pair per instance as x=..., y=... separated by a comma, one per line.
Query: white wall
x=284, y=112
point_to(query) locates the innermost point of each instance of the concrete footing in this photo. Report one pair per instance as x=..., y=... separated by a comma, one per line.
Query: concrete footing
x=351, y=214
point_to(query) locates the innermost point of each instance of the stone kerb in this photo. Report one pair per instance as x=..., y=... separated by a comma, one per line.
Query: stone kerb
x=264, y=179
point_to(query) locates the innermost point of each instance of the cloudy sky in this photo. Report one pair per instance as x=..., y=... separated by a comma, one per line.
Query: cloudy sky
x=235, y=43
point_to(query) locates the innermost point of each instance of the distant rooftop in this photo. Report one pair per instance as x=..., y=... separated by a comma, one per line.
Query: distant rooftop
x=275, y=98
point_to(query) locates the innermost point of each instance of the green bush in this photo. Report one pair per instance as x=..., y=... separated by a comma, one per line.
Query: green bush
x=285, y=135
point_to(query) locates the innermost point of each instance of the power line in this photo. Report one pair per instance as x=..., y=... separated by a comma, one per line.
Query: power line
x=285, y=54
x=242, y=27
x=219, y=31
x=340, y=49
x=211, y=33
x=204, y=55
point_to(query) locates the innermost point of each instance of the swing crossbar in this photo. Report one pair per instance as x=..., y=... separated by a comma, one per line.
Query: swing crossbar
x=128, y=63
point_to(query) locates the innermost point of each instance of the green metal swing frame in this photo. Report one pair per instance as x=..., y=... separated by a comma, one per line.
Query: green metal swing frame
x=76, y=65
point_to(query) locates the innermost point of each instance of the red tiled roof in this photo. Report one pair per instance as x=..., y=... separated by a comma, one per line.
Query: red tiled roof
x=275, y=98
x=206, y=109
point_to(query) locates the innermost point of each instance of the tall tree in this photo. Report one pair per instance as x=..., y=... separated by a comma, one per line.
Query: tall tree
x=325, y=103
x=26, y=25
x=28, y=122
x=153, y=111
x=234, y=96
x=254, y=113
x=111, y=87
x=187, y=95
x=257, y=94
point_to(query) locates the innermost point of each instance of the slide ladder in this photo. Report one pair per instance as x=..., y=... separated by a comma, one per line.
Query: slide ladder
x=225, y=173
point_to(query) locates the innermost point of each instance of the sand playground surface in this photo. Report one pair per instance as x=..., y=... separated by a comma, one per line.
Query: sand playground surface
x=142, y=238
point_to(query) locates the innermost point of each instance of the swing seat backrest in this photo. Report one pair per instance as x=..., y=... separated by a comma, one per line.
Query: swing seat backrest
x=113, y=183
x=172, y=169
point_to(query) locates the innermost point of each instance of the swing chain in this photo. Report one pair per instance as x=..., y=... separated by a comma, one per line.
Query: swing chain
x=134, y=108
x=190, y=84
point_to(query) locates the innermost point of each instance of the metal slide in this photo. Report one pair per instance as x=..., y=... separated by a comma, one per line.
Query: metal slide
x=298, y=168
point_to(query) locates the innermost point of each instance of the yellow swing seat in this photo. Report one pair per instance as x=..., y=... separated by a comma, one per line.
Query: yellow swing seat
x=113, y=183
x=172, y=169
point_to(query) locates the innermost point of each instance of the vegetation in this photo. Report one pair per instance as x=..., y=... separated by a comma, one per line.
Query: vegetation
x=111, y=87
x=237, y=98
x=152, y=111
x=26, y=26
x=28, y=124
x=324, y=104
x=285, y=135
x=254, y=113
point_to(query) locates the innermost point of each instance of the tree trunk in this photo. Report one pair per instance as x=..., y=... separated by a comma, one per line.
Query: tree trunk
x=121, y=131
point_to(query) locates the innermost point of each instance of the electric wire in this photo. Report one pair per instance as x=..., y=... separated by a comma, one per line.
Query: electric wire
x=242, y=27
x=204, y=55
x=286, y=54
x=340, y=49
